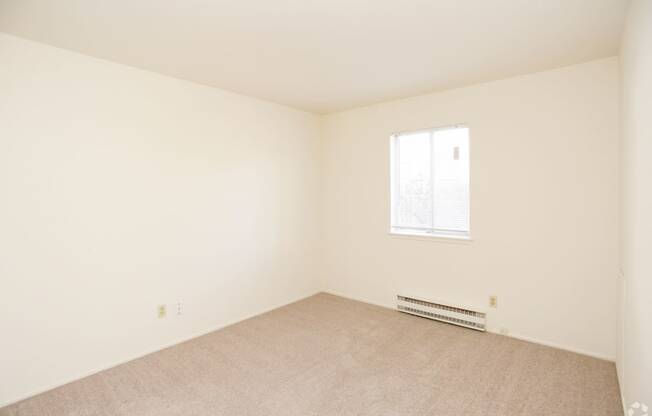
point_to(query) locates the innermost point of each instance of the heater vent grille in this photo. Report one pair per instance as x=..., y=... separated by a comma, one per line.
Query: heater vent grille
x=457, y=315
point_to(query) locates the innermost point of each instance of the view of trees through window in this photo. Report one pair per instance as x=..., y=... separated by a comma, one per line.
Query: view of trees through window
x=430, y=181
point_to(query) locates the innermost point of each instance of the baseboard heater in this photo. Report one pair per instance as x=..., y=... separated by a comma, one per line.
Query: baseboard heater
x=473, y=318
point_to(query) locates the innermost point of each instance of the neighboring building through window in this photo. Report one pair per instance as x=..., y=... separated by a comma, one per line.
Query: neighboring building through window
x=430, y=182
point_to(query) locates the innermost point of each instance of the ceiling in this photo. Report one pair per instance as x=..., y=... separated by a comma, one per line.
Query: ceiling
x=327, y=55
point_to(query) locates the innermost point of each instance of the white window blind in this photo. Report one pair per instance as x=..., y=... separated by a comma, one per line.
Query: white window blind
x=430, y=182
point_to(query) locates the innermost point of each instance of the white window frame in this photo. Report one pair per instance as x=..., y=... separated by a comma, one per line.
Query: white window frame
x=426, y=232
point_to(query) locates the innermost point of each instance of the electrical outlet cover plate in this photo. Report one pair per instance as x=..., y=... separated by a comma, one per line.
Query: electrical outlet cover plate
x=493, y=301
x=162, y=311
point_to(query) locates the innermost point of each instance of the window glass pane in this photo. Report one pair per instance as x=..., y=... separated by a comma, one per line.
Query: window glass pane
x=414, y=205
x=451, y=179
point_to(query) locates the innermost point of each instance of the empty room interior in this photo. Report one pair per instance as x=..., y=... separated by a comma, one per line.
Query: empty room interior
x=342, y=207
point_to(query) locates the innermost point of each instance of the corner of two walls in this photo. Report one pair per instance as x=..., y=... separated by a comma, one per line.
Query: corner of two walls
x=123, y=190
x=635, y=333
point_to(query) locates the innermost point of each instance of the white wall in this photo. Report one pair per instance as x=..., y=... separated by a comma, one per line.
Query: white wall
x=544, y=205
x=121, y=190
x=635, y=359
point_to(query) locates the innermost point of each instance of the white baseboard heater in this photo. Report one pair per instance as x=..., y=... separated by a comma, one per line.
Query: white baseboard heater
x=467, y=317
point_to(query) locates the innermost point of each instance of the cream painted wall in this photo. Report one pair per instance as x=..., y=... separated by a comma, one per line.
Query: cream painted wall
x=544, y=205
x=121, y=190
x=635, y=358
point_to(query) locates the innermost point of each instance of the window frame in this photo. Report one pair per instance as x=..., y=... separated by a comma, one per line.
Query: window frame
x=423, y=232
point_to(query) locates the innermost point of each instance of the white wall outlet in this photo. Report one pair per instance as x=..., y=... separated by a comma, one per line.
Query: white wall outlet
x=504, y=331
x=162, y=311
x=179, y=308
x=493, y=301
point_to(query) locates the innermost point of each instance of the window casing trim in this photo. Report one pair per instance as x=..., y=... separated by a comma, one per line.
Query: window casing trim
x=418, y=232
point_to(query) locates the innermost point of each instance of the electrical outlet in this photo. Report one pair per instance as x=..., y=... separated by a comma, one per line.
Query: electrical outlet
x=179, y=308
x=162, y=311
x=493, y=301
x=504, y=331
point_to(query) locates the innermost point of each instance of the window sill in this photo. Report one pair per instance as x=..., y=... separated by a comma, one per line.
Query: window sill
x=443, y=238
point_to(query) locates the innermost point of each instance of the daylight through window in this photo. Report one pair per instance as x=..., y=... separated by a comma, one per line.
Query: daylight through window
x=430, y=182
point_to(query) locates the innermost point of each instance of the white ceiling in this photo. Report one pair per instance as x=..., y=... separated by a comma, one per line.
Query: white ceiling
x=327, y=55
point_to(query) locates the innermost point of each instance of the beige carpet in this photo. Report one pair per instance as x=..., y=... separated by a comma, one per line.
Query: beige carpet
x=327, y=355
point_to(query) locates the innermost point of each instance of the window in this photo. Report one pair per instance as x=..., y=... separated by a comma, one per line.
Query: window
x=430, y=182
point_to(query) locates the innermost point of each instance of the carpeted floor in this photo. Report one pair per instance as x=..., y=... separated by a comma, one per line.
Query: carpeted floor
x=326, y=355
